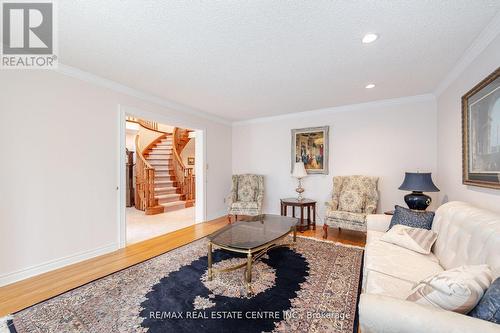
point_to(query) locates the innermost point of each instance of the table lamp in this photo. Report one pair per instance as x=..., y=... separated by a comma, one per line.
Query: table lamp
x=418, y=183
x=299, y=172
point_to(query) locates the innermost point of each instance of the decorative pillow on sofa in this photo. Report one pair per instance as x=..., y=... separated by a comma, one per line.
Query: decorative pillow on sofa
x=415, y=239
x=488, y=307
x=458, y=289
x=351, y=201
x=412, y=218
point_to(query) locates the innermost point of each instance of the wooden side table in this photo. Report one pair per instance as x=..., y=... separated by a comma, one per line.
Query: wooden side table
x=303, y=204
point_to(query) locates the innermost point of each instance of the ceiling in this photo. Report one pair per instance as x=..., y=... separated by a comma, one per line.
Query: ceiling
x=247, y=59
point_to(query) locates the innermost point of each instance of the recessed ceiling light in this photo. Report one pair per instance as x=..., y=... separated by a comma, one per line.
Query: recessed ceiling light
x=369, y=38
x=370, y=86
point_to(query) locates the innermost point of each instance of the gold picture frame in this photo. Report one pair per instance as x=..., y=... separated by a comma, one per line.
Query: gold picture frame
x=310, y=145
x=481, y=133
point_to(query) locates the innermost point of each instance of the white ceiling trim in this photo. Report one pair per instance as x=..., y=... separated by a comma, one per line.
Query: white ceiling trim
x=484, y=39
x=118, y=87
x=350, y=107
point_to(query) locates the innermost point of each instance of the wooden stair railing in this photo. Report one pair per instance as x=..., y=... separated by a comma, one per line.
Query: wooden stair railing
x=182, y=139
x=190, y=184
x=151, y=125
x=145, y=183
x=185, y=177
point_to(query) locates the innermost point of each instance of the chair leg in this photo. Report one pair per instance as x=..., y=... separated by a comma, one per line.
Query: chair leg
x=325, y=231
x=228, y=218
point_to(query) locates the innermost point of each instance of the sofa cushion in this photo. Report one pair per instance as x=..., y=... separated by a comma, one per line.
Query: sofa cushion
x=467, y=235
x=347, y=216
x=373, y=236
x=411, y=218
x=387, y=285
x=415, y=239
x=458, y=289
x=387, y=270
x=488, y=307
x=244, y=205
x=351, y=201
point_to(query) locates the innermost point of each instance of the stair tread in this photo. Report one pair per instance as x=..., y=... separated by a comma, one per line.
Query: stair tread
x=169, y=188
x=173, y=203
x=165, y=196
x=164, y=181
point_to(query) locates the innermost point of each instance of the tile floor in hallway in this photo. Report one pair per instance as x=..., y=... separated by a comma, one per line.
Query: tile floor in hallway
x=141, y=227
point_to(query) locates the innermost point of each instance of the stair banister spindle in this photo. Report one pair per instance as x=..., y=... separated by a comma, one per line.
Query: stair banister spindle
x=145, y=177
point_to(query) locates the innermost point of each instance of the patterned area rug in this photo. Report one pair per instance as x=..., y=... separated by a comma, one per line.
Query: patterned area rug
x=311, y=288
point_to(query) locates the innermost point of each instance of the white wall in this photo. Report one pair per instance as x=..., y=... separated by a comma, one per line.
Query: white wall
x=450, y=133
x=58, y=197
x=382, y=139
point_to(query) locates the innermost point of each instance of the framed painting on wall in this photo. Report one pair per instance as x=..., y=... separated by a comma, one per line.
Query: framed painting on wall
x=481, y=133
x=310, y=145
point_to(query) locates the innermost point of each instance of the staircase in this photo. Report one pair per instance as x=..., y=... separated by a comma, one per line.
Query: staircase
x=162, y=181
x=166, y=188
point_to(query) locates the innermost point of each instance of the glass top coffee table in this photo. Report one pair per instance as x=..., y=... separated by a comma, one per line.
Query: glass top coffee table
x=254, y=235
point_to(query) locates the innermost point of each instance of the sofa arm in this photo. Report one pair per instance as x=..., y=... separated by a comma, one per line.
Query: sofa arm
x=378, y=222
x=378, y=313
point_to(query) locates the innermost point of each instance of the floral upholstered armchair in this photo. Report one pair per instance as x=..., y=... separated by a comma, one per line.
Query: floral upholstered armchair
x=247, y=195
x=353, y=198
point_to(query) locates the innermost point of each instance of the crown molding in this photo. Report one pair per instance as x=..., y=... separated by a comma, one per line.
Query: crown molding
x=120, y=88
x=349, y=107
x=489, y=33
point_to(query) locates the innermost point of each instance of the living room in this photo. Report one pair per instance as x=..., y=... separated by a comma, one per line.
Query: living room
x=289, y=101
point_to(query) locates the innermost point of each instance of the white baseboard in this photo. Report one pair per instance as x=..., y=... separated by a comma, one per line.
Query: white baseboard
x=54, y=264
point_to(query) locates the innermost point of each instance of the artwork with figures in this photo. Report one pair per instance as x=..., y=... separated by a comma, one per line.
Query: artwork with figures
x=310, y=145
x=481, y=133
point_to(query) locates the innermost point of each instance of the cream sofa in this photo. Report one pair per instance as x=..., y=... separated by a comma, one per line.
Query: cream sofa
x=466, y=235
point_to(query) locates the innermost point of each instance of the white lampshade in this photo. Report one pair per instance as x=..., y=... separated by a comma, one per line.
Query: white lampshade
x=299, y=171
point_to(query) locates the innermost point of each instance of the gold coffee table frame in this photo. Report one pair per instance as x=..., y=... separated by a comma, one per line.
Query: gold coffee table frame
x=252, y=256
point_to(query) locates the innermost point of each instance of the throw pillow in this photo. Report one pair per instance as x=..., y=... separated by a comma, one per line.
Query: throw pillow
x=412, y=218
x=351, y=201
x=489, y=306
x=415, y=239
x=458, y=289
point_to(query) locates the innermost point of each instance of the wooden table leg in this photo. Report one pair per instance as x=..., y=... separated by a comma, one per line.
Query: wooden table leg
x=314, y=217
x=308, y=217
x=301, y=218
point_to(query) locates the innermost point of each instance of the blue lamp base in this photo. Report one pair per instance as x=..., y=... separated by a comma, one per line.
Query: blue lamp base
x=417, y=200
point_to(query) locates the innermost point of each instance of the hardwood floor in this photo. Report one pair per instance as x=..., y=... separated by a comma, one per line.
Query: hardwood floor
x=22, y=294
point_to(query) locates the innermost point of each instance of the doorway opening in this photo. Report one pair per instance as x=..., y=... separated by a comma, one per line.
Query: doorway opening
x=160, y=170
